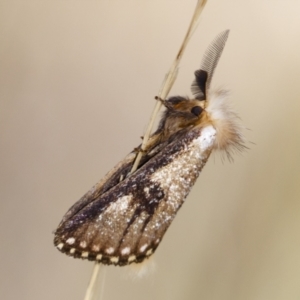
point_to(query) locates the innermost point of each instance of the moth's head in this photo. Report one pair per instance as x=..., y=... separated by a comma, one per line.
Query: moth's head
x=184, y=107
x=180, y=113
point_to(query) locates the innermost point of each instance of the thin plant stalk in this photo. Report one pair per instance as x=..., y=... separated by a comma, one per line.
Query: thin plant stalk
x=95, y=288
x=163, y=93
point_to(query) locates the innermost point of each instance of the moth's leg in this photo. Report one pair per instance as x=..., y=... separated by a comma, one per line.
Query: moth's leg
x=139, y=149
x=160, y=99
x=153, y=141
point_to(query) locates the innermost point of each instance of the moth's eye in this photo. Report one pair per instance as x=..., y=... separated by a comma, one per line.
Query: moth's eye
x=197, y=110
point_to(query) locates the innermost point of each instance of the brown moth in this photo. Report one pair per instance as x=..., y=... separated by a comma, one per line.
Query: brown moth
x=123, y=218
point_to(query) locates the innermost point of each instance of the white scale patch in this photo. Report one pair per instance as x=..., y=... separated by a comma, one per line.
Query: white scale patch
x=120, y=204
x=143, y=248
x=207, y=138
x=60, y=246
x=96, y=248
x=131, y=258
x=72, y=250
x=84, y=254
x=99, y=256
x=70, y=241
x=125, y=251
x=83, y=244
x=149, y=252
x=110, y=250
x=114, y=259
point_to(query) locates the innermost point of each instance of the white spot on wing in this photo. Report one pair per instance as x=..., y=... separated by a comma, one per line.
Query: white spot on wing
x=125, y=251
x=110, y=250
x=83, y=244
x=149, y=252
x=70, y=241
x=114, y=259
x=131, y=258
x=98, y=257
x=120, y=205
x=60, y=246
x=72, y=250
x=143, y=248
x=84, y=254
x=96, y=248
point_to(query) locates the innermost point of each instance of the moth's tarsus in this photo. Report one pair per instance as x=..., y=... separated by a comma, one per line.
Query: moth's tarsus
x=122, y=219
x=138, y=149
x=159, y=99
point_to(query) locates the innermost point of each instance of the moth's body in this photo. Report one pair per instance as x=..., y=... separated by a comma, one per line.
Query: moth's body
x=123, y=218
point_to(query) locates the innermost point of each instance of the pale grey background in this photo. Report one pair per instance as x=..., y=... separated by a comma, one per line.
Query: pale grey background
x=77, y=85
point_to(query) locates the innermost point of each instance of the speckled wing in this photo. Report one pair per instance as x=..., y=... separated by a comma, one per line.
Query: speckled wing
x=112, y=178
x=126, y=223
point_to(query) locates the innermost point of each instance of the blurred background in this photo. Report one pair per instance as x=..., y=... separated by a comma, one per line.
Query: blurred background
x=78, y=80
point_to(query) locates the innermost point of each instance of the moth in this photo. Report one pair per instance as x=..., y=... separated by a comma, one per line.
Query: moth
x=124, y=217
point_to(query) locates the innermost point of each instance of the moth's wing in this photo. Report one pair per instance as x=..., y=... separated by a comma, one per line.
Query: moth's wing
x=126, y=223
x=204, y=75
x=111, y=179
